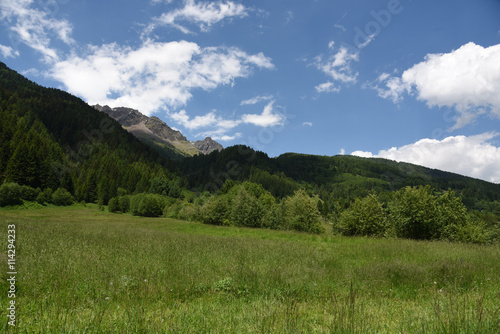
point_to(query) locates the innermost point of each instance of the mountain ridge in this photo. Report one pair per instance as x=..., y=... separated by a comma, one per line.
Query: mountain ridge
x=158, y=134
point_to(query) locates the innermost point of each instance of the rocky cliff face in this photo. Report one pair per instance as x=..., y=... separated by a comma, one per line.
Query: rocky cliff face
x=207, y=145
x=153, y=129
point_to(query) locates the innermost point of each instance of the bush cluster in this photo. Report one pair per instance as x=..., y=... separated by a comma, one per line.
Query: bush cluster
x=412, y=213
x=247, y=204
x=13, y=194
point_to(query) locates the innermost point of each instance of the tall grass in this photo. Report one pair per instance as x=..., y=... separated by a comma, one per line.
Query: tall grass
x=85, y=271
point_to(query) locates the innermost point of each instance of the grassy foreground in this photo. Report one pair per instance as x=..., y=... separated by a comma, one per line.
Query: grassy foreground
x=85, y=271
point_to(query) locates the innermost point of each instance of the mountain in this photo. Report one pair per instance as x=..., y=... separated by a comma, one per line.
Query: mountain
x=52, y=139
x=156, y=133
x=208, y=145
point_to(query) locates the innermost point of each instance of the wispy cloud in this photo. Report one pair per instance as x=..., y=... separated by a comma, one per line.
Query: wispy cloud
x=256, y=99
x=340, y=27
x=337, y=67
x=473, y=156
x=467, y=79
x=203, y=14
x=35, y=27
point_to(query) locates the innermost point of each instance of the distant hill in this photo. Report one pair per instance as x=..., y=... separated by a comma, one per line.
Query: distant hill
x=337, y=179
x=156, y=133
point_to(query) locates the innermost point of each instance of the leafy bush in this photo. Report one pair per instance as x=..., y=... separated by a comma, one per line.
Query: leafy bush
x=246, y=210
x=135, y=204
x=301, y=213
x=45, y=196
x=365, y=216
x=119, y=204
x=10, y=194
x=124, y=203
x=29, y=194
x=415, y=213
x=114, y=205
x=215, y=211
x=62, y=197
x=152, y=206
x=147, y=205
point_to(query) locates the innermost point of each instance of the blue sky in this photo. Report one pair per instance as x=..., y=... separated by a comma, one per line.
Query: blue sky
x=415, y=81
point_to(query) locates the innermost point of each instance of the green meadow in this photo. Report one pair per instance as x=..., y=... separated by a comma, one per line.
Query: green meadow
x=81, y=270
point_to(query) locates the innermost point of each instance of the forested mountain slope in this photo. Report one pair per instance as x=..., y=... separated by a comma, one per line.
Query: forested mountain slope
x=51, y=139
x=337, y=179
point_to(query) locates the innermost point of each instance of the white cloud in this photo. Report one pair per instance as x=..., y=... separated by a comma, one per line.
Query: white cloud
x=182, y=118
x=473, y=156
x=154, y=76
x=467, y=79
x=35, y=27
x=8, y=52
x=327, y=87
x=204, y=14
x=338, y=67
x=307, y=124
x=218, y=125
x=219, y=134
x=256, y=99
x=268, y=117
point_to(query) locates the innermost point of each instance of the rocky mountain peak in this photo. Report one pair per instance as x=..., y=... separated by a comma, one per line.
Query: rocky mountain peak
x=208, y=145
x=153, y=129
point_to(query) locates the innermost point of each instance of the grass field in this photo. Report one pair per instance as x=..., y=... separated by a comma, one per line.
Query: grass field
x=81, y=270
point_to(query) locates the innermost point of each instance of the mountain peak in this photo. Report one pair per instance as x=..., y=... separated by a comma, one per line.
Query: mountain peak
x=154, y=131
x=208, y=145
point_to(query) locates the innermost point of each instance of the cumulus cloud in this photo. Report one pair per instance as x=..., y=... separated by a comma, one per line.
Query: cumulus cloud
x=473, y=156
x=35, y=27
x=155, y=75
x=466, y=79
x=269, y=117
x=204, y=14
x=337, y=67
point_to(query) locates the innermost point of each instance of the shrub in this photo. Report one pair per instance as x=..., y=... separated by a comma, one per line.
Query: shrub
x=45, y=196
x=114, y=205
x=246, y=210
x=62, y=197
x=274, y=217
x=415, y=213
x=124, y=203
x=10, y=194
x=215, y=211
x=152, y=206
x=29, y=194
x=147, y=205
x=301, y=213
x=135, y=204
x=365, y=216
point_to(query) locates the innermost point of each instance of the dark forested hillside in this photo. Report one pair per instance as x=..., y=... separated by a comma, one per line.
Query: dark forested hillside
x=337, y=179
x=51, y=139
